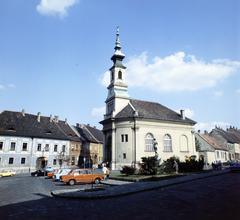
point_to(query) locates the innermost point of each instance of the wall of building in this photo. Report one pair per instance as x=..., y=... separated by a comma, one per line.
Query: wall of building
x=31, y=154
x=158, y=130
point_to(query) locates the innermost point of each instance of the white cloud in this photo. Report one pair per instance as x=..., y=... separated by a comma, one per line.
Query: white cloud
x=98, y=112
x=11, y=85
x=208, y=126
x=8, y=86
x=176, y=72
x=218, y=93
x=55, y=7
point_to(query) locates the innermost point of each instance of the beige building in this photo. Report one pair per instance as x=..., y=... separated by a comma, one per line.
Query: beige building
x=132, y=128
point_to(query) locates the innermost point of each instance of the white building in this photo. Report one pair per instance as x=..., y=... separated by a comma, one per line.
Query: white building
x=29, y=142
x=132, y=127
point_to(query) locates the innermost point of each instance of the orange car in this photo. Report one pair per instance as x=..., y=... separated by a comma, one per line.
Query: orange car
x=51, y=174
x=82, y=176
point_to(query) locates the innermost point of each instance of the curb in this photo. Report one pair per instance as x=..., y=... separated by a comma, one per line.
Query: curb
x=134, y=188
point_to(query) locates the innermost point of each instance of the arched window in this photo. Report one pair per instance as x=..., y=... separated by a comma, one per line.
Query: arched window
x=167, y=143
x=119, y=75
x=149, y=143
x=183, y=143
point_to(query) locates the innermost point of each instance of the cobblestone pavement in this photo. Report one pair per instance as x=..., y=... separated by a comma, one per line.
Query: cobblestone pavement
x=212, y=198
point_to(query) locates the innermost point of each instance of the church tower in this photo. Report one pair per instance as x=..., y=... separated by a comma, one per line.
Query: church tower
x=118, y=96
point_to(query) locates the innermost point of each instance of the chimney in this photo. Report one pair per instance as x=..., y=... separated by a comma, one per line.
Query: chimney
x=65, y=121
x=56, y=118
x=23, y=112
x=51, y=118
x=199, y=131
x=205, y=132
x=38, y=116
x=182, y=114
x=77, y=125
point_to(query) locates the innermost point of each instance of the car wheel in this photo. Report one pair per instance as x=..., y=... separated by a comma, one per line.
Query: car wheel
x=97, y=181
x=71, y=182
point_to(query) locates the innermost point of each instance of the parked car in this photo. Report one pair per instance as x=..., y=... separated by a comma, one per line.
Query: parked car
x=60, y=173
x=52, y=173
x=38, y=173
x=235, y=167
x=82, y=176
x=5, y=173
x=49, y=169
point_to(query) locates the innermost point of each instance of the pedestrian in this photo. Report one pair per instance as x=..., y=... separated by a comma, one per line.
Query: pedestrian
x=105, y=171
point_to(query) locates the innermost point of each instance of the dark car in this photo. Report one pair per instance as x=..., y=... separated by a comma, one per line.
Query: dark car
x=38, y=173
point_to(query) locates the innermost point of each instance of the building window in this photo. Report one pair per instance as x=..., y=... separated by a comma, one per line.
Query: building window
x=124, y=155
x=183, y=143
x=124, y=138
x=13, y=145
x=24, y=147
x=63, y=148
x=23, y=160
x=54, y=162
x=39, y=147
x=217, y=154
x=1, y=145
x=167, y=143
x=47, y=147
x=10, y=161
x=119, y=75
x=55, y=148
x=149, y=142
x=73, y=161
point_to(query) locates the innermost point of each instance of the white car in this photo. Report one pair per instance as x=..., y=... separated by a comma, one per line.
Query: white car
x=61, y=172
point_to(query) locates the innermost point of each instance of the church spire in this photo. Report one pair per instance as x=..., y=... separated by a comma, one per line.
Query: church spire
x=118, y=56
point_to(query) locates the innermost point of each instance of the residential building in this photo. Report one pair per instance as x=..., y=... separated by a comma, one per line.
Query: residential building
x=29, y=142
x=210, y=149
x=229, y=139
x=132, y=128
x=92, y=145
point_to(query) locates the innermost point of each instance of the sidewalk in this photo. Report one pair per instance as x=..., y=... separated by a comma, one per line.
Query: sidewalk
x=121, y=188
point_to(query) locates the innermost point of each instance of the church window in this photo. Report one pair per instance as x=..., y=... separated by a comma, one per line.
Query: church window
x=124, y=155
x=167, y=143
x=124, y=138
x=149, y=142
x=119, y=75
x=1, y=145
x=183, y=143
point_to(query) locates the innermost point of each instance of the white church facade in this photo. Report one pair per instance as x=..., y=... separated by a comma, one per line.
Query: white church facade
x=133, y=127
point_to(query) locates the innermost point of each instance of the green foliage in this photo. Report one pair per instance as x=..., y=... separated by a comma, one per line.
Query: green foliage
x=191, y=165
x=149, y=165
x=167, y=165
x=128, y=170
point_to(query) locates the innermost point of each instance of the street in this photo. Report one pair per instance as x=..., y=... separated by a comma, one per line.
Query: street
x=25, y=197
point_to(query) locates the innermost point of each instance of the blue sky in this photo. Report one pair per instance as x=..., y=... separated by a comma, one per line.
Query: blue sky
x=54, y=55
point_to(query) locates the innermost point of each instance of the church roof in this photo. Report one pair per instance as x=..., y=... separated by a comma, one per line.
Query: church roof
x=151, y=110
x=27, y=125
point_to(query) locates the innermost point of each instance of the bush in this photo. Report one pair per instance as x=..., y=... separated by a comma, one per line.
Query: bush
x=128, y=170
x=149, y=165
x=167, y=165
x=191, y=165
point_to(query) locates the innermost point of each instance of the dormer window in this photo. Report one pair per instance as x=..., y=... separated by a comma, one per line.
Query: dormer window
x=48, y=132
x=11, y=129
x=119, y=75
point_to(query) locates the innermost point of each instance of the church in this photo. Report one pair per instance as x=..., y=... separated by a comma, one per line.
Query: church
x=132, y=128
